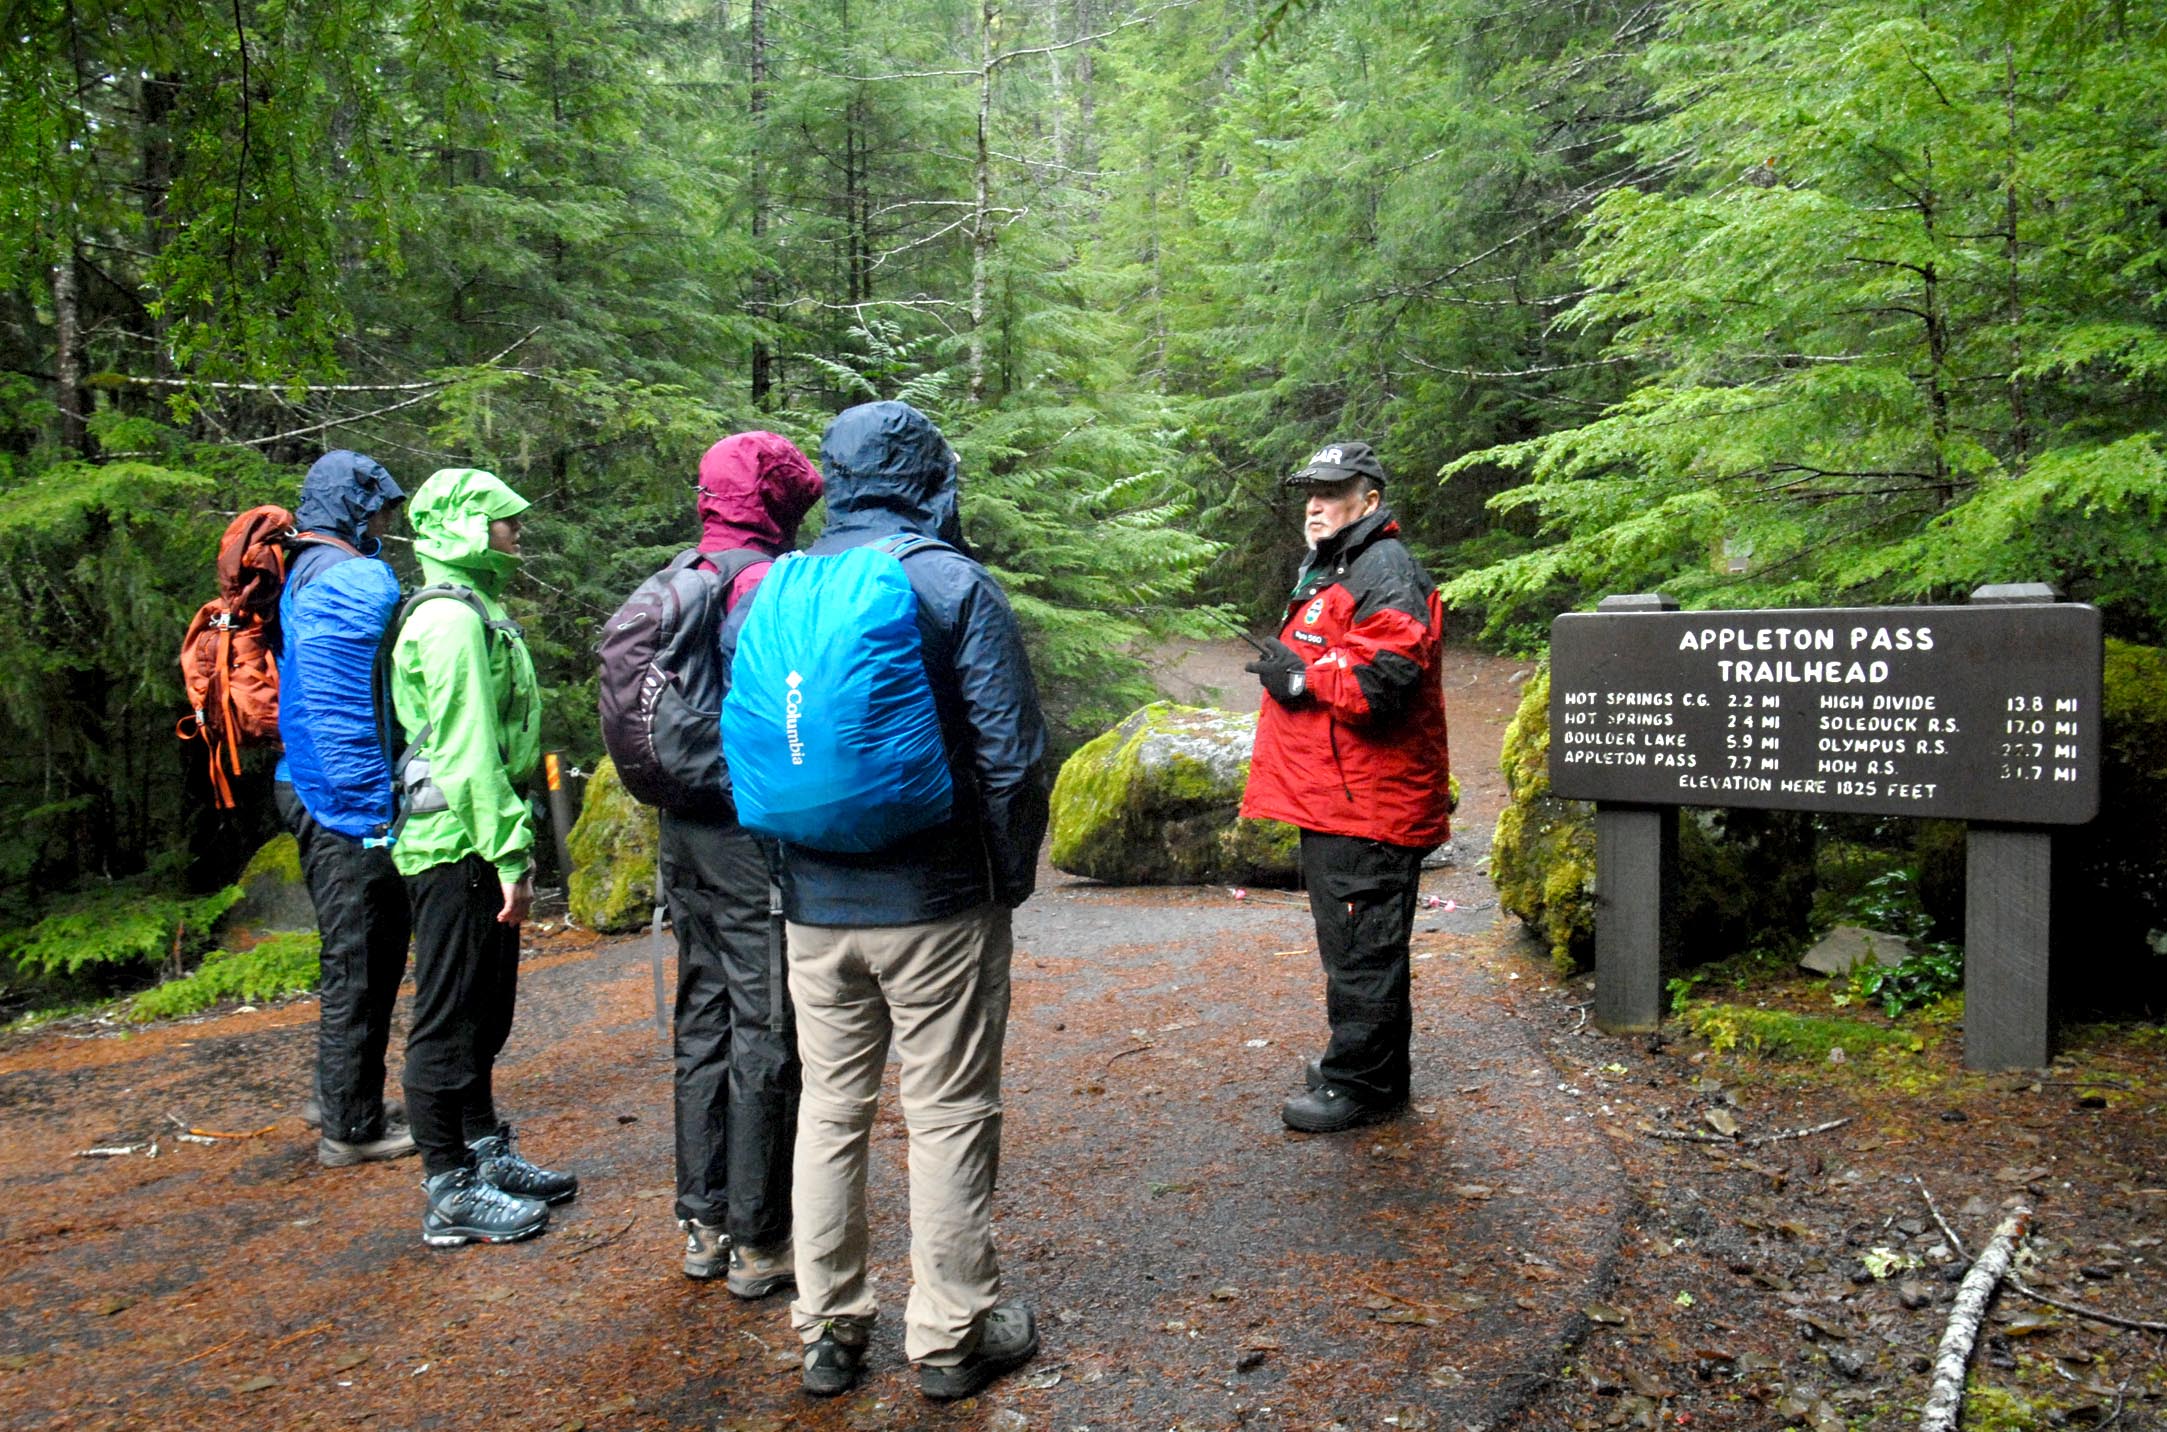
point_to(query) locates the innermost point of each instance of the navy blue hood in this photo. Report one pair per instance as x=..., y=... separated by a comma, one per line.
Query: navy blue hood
x=886, y=468
x=341, y=492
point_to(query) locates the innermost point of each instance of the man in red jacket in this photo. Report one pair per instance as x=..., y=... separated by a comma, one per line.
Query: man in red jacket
x=1351, y=748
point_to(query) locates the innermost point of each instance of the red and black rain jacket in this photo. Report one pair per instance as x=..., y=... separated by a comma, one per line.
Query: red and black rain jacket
x=1362, y=751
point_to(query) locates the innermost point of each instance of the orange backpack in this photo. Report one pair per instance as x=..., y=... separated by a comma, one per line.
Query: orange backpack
x=227, y=658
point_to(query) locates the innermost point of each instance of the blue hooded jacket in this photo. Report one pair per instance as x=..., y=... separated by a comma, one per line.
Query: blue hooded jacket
x=332, y=616
x=887, y=470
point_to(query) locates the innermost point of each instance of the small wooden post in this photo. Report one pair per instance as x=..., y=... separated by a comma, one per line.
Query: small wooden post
x=1636, y=892
x=2008, y=916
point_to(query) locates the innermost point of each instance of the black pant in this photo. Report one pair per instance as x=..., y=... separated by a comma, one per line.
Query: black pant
x=466, y=978
x=1362, y=894
x=361, y=913
x=737, y=1055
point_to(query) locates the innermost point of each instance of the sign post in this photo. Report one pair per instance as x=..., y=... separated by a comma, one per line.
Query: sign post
x=1636, y=890
x=2008, y=870
x=1987, y=713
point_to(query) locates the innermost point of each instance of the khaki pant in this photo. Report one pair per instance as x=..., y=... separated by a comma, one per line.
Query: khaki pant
x=940, y=989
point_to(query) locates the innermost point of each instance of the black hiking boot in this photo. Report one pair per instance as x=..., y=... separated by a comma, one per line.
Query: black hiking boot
x=462, y=1207
x=832, y=1366
x=1327, y=1111
x=498, y=1162
x=1006, y=1341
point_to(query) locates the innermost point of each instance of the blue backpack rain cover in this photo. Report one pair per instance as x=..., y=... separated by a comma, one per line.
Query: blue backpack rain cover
x=829, y=730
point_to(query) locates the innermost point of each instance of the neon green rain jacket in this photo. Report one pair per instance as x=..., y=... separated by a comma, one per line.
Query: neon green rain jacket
x=473, y=687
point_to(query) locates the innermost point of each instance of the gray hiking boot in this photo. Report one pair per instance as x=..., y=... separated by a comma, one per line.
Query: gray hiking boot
x=757, y=1272
x=1006, y=1341
x=497, y=1160
x=462, y=1207
x=396, y=1142
x=707, y=1248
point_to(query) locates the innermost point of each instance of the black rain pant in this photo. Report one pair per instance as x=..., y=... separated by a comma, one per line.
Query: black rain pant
x=466, y=979
x=1362, y=894
x=738, y=1077
x=361, y=913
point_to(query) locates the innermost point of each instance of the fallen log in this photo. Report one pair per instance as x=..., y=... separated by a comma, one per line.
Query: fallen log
x=1945, y=1395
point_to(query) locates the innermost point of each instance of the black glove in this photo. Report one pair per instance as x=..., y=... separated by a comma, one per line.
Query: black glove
x=1284, y=673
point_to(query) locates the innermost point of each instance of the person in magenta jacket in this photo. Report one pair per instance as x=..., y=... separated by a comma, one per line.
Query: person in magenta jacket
x=737, y=1077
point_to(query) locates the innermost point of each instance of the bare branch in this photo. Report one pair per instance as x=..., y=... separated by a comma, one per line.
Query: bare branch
x=1006, y=55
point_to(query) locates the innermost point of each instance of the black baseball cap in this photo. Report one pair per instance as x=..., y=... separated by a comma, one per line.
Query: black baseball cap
x=1338, y=462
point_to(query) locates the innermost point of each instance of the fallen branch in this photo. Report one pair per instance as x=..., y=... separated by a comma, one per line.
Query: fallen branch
x=1127, y=1052
x=1946, y=1231
x=1945, y=1396
x=2133, y=1324
x=1692, y=1136
x=113, y=1151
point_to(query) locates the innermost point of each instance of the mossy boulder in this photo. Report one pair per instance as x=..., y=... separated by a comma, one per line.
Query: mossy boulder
x=613, y=845
x=1745, y=877
x=1155, y=801
x=1542, y=854
x=274, y=896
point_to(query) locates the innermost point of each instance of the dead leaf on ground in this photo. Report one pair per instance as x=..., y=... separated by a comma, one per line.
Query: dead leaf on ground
x=2025, y=1325
x=1605, y=1314
x=1413, y=1317
x=350, y=1360
x=1723, y=1121
x=257, y=1384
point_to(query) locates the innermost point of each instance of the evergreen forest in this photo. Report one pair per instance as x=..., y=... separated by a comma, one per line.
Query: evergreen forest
x=1756, y=302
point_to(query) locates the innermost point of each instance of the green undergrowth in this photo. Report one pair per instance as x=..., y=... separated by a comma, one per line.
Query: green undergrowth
x=276, y=966
x=1788, y=1035
x=115, y=926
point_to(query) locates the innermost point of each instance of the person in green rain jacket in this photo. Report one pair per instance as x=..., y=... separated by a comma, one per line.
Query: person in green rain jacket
x=469, y=715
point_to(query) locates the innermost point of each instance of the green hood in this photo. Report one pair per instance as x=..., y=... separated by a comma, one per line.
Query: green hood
x=451, y=513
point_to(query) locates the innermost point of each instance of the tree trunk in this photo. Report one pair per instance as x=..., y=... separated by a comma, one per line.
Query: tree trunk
x=763, y=372
x=67, y=351
x=981, y=220
x=1937, y=349
x=159, y=95
x=2020, y=437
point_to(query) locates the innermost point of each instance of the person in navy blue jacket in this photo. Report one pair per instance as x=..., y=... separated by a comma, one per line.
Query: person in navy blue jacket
x=334, y=791
x=911, y=945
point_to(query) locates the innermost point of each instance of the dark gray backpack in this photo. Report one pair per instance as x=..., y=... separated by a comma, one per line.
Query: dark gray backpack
x=662, y=682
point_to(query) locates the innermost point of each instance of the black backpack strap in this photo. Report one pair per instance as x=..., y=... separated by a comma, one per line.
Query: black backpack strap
x=731, y=564
x=413, y=791
x=904, y=544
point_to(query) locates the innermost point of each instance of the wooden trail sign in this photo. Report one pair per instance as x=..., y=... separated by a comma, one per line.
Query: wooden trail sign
x=1988, y=713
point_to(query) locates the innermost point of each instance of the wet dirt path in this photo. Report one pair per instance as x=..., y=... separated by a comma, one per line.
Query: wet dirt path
x=1192, y=1263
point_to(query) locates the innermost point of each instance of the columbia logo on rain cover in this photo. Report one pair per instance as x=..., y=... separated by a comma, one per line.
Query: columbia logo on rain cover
x=793, y=706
